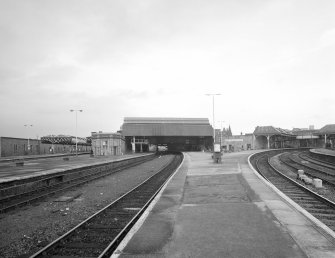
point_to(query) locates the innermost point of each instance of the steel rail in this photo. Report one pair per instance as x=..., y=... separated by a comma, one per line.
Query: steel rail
x=317, y=208
x=54, y=189
x=316, y=161
x=300, y=186
x=296, y=167
x=295, y=158
x=117, y=239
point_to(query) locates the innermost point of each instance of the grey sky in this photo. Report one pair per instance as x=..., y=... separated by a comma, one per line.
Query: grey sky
x=272, y=61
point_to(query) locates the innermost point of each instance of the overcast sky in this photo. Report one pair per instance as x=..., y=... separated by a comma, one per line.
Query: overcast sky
x=273, y=61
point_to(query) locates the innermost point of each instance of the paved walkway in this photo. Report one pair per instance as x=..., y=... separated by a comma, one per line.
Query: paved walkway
x=223, y=210
x=45, y=156
x=324, y=151
x=55, y=164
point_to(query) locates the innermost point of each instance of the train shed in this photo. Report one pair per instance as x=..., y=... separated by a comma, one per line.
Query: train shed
x=144, y=134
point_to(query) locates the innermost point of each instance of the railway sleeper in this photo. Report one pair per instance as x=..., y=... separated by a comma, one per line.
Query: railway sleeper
x=102, y=227
x=322, y=216
x=294, y=191
x=79, y=245
x=329, y=223
x=320, y=211
x=299, y=195
x=309, y=201
x=318, y=206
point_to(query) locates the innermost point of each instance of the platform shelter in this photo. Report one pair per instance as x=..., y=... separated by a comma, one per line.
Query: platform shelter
x=144, y=134
x=269, y=137
x=328, y=134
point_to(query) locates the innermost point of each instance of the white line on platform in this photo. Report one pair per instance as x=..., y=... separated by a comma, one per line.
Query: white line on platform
x=309, y=216
x=141, y=220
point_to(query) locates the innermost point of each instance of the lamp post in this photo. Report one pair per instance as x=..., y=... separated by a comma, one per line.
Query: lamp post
x=28, y=147
x=213, y=95
x=76, y=110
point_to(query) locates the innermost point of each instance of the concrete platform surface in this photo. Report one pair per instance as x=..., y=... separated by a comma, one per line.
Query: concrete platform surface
x=223, y=210
x=36, y=167
x=324, y=152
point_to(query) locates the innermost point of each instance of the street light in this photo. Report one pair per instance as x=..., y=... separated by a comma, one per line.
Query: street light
x=28, y=147
x=213, y=95
x=76, y=110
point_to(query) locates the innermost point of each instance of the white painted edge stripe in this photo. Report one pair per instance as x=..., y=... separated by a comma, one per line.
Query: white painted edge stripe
x=144, y=216
x=294, y=204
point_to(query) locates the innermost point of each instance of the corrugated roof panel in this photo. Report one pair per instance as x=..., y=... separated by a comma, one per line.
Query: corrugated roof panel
x=166, y=130
x=165, y=120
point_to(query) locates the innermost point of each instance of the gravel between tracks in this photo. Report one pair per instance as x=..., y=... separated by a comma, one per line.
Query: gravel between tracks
x=26, y=230
x=326, y=191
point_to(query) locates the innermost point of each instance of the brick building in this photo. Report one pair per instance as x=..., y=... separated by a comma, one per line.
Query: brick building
x=107, y=144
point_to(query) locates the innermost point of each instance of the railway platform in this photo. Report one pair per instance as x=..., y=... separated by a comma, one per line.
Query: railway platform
x=37, y=166
x=44, y=156
x=223, y=210
x=327, y=155
x=327, y=152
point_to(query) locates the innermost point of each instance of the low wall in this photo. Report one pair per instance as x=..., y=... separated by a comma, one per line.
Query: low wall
x=322, y=156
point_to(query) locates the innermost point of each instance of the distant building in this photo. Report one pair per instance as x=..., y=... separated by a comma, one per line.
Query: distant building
x=107, y=144
x=328, y=135
x=269, y=137
x=143, y=134
x=238, y=142
x=226, y=132
x=10, y=146
x=222, y=134
x=231, y=143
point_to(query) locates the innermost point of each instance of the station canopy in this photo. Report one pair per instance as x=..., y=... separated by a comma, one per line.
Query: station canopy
x=156, y=126
x=271, y=130
x=327, y=129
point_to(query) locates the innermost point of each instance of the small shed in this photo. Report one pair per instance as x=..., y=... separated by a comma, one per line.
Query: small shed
x=107, y=144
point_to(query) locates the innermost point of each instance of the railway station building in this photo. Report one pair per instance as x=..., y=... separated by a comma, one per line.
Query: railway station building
x=327, y=133
x=144, y=134
x=270, y=137
x=107, y=144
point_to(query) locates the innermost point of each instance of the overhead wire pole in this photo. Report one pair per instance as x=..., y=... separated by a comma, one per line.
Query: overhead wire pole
x=76, y=110
x=213, y=95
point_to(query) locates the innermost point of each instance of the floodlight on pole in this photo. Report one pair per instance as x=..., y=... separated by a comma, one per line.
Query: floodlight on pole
x=76, y=110
x=213, y=95
x=28, y=147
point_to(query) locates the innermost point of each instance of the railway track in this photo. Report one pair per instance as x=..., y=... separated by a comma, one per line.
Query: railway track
x=26, y=192
x=99, y=235
x=306, y=157
x=326, y=174
x=320, y=207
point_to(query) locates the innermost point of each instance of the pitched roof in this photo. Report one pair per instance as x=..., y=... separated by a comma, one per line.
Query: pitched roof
x=165, y=120
x=153, y=126
x=327, y=129
x=270, y=130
